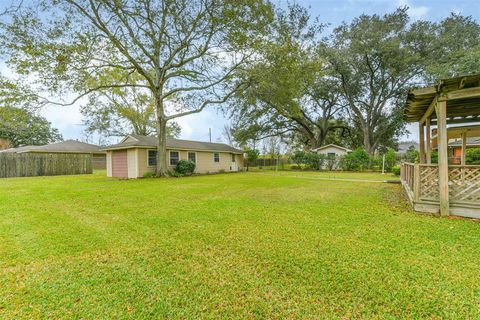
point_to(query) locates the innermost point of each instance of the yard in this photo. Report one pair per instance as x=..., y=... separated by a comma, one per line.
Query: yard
x=252, y=245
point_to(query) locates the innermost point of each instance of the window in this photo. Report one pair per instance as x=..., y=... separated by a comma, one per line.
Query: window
x=233, y=158
x=174, y=157
x=192, y=157
x=152, y=157
x=331, y=155
x=216, y=157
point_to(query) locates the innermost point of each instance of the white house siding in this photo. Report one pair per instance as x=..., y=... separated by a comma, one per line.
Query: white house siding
x=338, y=152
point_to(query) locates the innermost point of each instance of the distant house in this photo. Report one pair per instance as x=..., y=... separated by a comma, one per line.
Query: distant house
x=455, y=148
x=67, y=146
x=332, y=150
x=136, y=155
x=333, y=153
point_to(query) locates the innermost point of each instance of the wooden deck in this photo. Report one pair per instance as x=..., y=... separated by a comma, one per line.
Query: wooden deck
x=421, y=184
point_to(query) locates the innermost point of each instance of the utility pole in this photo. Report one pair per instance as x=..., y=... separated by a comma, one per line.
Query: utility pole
x=383, y=164
x=210, y=133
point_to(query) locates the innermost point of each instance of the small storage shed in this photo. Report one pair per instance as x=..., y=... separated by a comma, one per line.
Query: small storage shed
x=67, y=147
x=332, y=150
x=136, y=155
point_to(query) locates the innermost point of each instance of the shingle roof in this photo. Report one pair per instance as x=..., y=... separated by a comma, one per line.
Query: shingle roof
x=149, y=141
x=67, y=146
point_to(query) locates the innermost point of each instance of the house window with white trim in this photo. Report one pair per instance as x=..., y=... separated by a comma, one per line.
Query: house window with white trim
x=174, y=157
x=152, y=157
x=216, y=157
x=233, y=157
x=192, y=157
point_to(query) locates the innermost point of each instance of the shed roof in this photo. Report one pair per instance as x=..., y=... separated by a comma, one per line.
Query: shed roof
x=67, y=146
x=138, y=141
x=462, y=95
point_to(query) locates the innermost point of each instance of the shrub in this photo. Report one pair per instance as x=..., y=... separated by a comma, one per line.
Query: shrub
x=221, y=171
x=357, y=160
x=149, y=175
x=413, y=155
x=396, y=170
x=177, y=174
x=185, y=168
x=315, y=160
x=473, y=156
x=298, y=157
x=390, y=160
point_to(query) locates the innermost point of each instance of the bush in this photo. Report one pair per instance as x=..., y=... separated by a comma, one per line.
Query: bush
x=396, y=170
x=185, y=168
x=315, y=160
x=413, y=155
x=149, y=175
x=298, y=157
x=390, y=160
x=357, y=160
x=472, y=156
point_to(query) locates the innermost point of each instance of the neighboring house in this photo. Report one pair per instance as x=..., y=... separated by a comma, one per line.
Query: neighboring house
x=332, y=150
x=333, y=153
x=455, y=148
x=67, y=146
x=136, y=155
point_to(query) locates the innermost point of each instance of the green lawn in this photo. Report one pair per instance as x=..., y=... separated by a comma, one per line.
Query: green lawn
x=229, y=246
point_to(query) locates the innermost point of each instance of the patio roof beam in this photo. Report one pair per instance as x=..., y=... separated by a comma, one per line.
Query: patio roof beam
x=430, y=110
x=463, y=94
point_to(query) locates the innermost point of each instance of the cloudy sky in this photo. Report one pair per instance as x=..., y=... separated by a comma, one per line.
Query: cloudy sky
x=68, y=119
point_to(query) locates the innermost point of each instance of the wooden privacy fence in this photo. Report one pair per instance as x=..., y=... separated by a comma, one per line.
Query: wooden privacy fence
x=43, y=164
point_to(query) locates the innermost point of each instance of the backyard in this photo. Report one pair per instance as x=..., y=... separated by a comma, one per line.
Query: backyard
x=253, y=245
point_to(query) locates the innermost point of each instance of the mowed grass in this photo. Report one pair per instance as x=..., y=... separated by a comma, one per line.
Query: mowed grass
x=340, y=175
x=229, y=246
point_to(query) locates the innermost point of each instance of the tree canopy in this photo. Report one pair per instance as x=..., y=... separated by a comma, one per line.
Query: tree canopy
x=21, y=127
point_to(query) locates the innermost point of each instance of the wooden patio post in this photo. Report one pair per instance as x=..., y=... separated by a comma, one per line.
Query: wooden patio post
x=464, y=148
x=441, y=110
x=428, y=141
x=421, y=137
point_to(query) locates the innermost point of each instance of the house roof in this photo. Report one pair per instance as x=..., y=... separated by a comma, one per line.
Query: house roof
x=67, y=146
x=138, y=141
x=470, y=142
x=332, y=146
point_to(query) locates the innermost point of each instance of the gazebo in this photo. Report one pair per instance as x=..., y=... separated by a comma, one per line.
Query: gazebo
x=453, y=108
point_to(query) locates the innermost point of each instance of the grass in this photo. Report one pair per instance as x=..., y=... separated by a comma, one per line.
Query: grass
x=347, y=175
x=229, y=246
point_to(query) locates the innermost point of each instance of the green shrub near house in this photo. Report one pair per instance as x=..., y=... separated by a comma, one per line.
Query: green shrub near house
x=184, y=168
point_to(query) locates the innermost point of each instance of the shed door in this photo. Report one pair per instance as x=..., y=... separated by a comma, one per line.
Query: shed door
x=120, y=164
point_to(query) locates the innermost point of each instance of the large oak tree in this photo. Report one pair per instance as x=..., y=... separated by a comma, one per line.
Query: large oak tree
x=185, y=52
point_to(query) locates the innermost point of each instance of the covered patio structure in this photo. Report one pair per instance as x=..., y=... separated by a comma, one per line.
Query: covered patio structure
x=453, y=108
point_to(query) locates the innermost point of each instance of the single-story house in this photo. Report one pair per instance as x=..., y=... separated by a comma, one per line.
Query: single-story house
x=136, y=155
x=332, y=150
x=333, y=153
x=67, y=146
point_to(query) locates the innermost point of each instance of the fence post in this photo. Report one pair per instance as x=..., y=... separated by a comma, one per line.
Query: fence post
x=416, y=182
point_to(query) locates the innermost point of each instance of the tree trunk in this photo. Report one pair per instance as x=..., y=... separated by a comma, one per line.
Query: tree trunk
x=162, y=169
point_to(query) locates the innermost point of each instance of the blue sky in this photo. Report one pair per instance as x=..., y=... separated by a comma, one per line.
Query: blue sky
x=68, y=119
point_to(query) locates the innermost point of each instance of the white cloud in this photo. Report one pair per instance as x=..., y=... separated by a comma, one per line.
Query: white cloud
x=416, y=12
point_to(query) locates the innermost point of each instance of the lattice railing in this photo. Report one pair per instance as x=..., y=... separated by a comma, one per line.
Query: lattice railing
x=464, y=184
x=428, y=182
x=407, y=177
